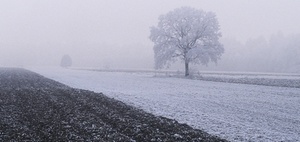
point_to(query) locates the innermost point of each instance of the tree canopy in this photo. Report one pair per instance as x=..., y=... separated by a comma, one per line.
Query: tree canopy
x=187, y=34
x=66, y=61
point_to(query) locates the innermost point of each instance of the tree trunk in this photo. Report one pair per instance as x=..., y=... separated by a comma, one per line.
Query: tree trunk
x=187, y=72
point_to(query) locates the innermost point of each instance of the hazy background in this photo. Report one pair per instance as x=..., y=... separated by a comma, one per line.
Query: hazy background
x=258, y=35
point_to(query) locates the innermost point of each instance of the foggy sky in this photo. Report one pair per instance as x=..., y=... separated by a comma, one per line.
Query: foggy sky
x=114, y=33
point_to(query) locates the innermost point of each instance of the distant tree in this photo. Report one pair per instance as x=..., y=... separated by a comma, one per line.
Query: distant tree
x=188, y=34
x=66, y=61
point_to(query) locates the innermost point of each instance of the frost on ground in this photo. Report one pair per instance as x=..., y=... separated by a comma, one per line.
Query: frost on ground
x=34, y=108
x=236, y=112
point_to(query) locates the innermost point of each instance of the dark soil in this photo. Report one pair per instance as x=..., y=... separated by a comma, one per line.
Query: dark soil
x=34, y=108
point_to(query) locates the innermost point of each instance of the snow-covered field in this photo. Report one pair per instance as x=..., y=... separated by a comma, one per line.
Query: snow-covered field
x=236, y=112
x=251, y=75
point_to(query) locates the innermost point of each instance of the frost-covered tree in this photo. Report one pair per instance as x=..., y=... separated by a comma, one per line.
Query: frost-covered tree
x=66, y=61
x=188, y=34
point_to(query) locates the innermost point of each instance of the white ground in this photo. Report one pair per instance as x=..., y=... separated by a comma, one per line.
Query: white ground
x=236, y=112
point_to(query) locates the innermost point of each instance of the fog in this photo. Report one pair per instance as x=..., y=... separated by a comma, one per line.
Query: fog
x=258, y=35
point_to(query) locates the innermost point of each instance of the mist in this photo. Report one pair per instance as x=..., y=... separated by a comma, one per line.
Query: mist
x=258, y=36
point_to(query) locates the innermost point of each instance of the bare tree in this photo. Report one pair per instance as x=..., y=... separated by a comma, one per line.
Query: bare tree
x=188, y=34
x=66, y=61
